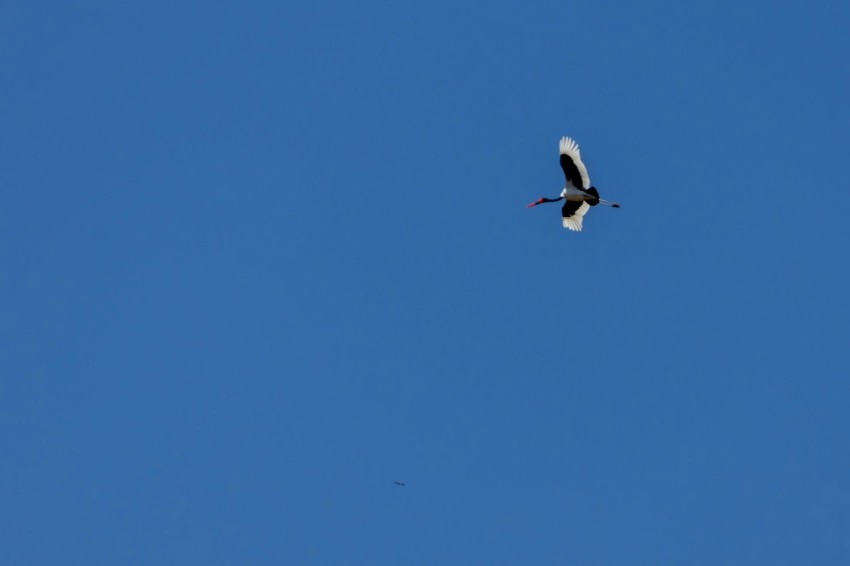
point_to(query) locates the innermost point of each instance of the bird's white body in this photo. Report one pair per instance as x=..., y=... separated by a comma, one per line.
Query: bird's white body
x=572, y=193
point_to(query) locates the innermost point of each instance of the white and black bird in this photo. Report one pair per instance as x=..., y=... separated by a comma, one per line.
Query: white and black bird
x=578, y=195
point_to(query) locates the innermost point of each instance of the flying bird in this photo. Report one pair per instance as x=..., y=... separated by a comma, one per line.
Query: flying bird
x=578, y=195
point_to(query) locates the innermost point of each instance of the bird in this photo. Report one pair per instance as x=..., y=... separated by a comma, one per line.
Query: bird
x=399, y=483
x=578, y=195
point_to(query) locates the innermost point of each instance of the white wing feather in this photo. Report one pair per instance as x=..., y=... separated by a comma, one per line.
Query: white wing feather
x=570, y=147
x=574, y=222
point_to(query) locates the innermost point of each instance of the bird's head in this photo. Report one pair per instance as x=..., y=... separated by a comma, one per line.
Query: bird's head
x=541, y=200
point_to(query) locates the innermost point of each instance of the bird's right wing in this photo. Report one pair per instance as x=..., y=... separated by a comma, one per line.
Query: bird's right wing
x=573, y=213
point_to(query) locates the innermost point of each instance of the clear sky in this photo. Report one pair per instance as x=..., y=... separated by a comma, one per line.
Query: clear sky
x=260, y=260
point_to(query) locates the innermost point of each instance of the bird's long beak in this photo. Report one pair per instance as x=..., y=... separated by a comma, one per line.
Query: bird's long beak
x=535, y=203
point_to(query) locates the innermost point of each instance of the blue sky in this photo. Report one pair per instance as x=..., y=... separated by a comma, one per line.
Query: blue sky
x=261, y=260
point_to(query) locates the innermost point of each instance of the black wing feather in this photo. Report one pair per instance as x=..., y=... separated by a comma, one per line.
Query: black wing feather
x=571, y=172
x=570, y=207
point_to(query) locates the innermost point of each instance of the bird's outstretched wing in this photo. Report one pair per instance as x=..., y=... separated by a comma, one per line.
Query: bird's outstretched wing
x=574, y=169
x=573, y=213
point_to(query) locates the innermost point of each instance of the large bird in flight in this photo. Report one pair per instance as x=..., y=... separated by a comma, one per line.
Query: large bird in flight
x=578, y=195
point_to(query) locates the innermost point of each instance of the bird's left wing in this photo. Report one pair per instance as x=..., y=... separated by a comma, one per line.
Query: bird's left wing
x=574, y=169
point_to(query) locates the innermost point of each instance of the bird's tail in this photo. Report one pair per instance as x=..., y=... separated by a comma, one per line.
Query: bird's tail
x=596, y=200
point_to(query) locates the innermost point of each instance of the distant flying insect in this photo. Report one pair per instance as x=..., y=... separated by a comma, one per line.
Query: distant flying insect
x=399, y=483
x=578, y=195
